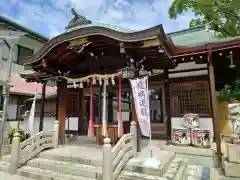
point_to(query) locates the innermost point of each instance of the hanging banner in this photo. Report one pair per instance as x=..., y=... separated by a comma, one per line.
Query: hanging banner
x=31, y=116
x=141, y=102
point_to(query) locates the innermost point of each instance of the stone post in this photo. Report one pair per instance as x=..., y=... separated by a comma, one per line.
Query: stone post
x=14, y=159
x=133, y=130
x=107, y=159
x=55, y=134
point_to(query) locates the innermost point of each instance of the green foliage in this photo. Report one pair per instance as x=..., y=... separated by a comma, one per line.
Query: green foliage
x=230, y=92
x=221, y=16
x=23, y=135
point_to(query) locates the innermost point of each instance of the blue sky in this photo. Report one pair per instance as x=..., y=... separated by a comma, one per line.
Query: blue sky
x=50, y=17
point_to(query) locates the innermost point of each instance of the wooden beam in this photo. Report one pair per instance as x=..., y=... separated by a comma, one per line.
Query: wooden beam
x=216, y=118
x=78, y=42
x=62, y=109
x=151, y=43
x=42, y=106
x=167, y=104
x=81, y=110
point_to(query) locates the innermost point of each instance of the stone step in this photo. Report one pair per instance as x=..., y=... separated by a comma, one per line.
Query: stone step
x=158, y=132
x=79, y=160
x=136, y=166
x=232, y=169
x=194, y=172
x=67, y=167
x=176, y=169
x=5, y=175
x=127, y=175
x=44, y=174
x=4, y=166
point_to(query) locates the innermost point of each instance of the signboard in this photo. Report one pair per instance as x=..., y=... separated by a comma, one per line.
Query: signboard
x=141, y=101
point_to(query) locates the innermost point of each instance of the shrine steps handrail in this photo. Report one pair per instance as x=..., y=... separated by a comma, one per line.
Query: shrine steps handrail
x=30, y=148
x=34, y=145
x=121, y=153
x=114, y=158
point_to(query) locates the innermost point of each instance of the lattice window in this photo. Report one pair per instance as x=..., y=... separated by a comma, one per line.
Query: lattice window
x=73, y=101
x=192, y=97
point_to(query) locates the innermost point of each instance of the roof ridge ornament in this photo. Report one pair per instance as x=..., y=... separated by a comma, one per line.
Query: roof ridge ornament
x=77, y=20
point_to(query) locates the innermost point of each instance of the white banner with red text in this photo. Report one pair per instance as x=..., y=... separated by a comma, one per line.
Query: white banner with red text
x=141, y=102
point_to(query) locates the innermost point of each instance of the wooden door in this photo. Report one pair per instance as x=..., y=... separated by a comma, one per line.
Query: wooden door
x=72, y=111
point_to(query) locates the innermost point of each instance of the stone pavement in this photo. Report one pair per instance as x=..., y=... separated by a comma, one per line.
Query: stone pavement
x=5, y=175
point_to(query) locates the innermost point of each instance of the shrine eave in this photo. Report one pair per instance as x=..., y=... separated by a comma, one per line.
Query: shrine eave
x=35, y=76
x=156, y=32
x=221, y=45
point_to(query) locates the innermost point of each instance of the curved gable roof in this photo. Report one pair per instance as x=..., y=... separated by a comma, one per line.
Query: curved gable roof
x=114, y=32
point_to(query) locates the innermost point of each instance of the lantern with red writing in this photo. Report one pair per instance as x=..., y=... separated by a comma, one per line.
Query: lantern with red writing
x=181, y=136
x=201, y=137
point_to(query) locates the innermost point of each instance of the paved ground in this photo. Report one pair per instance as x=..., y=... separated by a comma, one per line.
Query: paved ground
x=7, y=176
x=86, y=147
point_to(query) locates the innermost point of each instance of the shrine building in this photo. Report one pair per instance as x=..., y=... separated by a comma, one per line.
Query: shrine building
x=184, y=73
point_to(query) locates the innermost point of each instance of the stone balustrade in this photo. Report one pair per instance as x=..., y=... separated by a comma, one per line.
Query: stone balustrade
x=232, y=164
x=114, y=158
x=22, y=152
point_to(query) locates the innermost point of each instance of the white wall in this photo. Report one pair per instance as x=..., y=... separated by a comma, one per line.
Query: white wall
x=4, y=52
x=47, y=124
x=12, y=107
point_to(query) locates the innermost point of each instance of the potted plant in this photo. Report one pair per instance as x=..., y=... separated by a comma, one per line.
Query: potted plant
x=23, y=135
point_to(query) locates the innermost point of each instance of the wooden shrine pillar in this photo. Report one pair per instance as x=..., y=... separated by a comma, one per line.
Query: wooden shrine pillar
x=167, y=104
x=42, y=105
x=81, y=110
x=62, y=109
x=216, y=119
x=99, y=106
x=110, y=107
x=134, y=118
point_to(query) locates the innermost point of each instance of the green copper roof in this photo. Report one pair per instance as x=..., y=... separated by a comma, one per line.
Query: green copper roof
x=22, y=28
x=193, y=37
x=77, y=20
x=108, y=26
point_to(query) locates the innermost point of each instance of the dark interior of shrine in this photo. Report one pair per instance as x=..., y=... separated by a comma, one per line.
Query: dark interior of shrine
x=226, y=67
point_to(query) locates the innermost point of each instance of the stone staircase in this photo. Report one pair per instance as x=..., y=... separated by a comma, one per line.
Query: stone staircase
x=55, y=167
x=159, y=131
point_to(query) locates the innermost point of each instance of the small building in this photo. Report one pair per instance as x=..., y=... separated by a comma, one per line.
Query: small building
x=25, y=46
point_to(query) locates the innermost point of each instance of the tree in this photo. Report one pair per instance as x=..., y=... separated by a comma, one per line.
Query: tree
x=221, y=16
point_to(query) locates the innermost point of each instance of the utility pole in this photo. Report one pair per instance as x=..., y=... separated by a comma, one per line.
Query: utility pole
x=6, y=87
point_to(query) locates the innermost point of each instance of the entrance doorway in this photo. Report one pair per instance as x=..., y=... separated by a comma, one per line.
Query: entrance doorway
x=156, y=106
x=156, y=103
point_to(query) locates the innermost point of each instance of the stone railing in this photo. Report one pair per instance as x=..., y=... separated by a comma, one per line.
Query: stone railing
x=6, y=149
x=26, y=150
x=114, y=158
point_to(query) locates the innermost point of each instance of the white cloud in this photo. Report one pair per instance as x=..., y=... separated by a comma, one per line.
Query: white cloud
x=51, y=16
